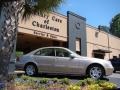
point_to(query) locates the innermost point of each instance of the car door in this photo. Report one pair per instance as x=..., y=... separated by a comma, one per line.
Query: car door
x=65, y=64
x=45, y=59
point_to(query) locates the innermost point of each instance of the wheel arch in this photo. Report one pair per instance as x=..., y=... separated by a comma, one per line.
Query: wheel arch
x=28, y=63
x=94, y=64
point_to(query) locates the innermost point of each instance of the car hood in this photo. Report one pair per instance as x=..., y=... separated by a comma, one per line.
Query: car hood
x=94, y=60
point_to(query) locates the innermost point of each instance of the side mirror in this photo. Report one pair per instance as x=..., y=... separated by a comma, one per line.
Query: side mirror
x=72, y=56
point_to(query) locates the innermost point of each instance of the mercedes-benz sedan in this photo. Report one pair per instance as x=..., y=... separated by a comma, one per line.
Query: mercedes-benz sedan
x=59, y=60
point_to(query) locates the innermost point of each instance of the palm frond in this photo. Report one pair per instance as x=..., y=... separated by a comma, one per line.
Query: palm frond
x=42, y=6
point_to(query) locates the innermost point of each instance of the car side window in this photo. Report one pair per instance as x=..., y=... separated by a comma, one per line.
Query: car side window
x=62, y=53
x=46, y=52
x=37, y=53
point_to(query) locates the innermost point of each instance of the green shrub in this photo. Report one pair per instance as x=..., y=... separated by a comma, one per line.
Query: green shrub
x=44, y=80
x=90, y=81
x=65, y=81
x=55, y=83
x=94, y=87
x=73, y=87
x=87, y=81
x=108, y=86
x=100, y=81
x=81, y=83
x=56, y=86
x=41, y=88
x=55, y=80
x=24, y=77
x=19, y=53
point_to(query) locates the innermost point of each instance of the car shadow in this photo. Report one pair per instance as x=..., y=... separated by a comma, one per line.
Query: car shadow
x=118, y=72
x=71, y=77
x=104, y=78
x=60, y=76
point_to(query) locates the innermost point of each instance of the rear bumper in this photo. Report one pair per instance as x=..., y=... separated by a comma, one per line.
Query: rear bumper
x=19, y=66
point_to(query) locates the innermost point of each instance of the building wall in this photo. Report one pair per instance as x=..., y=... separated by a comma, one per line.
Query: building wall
x=71, y=29
x=114, y=46
x=97, y=39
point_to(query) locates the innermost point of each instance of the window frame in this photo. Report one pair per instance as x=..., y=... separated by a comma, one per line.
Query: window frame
x=63, y=50
x=44, y=49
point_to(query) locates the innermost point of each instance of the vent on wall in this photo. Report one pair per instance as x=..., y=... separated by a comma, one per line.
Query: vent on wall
x=96, y=34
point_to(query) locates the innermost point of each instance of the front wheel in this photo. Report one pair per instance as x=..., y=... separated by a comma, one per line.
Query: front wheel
x=95, y=72
x=30, y=70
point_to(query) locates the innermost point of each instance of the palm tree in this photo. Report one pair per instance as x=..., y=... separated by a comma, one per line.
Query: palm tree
x=10, y=11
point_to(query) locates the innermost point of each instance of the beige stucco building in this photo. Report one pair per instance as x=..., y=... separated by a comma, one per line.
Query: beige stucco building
x=102, y=43
x=69, y=31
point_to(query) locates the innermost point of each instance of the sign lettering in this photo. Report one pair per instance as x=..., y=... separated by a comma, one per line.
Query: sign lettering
x=45, y=26
x=45, y=34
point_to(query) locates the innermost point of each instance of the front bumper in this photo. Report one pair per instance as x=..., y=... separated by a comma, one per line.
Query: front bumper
x=109, y=71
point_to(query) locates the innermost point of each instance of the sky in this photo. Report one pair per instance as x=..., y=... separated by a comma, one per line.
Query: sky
x=96, y=12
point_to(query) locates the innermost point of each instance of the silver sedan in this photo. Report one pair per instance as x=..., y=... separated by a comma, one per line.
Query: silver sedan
x=59, y=60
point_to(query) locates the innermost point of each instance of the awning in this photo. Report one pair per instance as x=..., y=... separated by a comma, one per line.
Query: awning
x=102, y=51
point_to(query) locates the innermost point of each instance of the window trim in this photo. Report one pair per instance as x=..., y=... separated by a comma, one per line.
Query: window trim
x=44, y=55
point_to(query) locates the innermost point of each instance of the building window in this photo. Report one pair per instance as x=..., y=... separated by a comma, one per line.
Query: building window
x=78, y=46
x=98, y=54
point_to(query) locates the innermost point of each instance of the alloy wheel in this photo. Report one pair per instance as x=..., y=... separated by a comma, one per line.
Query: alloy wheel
x=95, y=72
x=30, y=70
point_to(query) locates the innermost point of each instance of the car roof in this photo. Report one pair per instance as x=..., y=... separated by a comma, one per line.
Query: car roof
x=48, y=47
x=51, y=47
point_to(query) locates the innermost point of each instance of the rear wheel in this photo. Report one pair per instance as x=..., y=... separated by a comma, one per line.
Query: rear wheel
x=31, y=69
x=95, y=72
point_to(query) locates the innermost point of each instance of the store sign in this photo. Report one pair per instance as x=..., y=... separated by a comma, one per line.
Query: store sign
x=44, y=26
x=53, y=18
x=42, y=34
x=46, y=23
x=52, y=26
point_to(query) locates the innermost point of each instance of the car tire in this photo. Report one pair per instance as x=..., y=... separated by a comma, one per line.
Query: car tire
x=31, y=70
x=95, y=71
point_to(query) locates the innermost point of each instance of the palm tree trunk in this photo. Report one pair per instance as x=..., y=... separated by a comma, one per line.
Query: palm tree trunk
x=8, y=34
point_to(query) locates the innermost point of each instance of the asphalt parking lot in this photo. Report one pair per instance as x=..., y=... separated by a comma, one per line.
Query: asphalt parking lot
x=115, y=78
